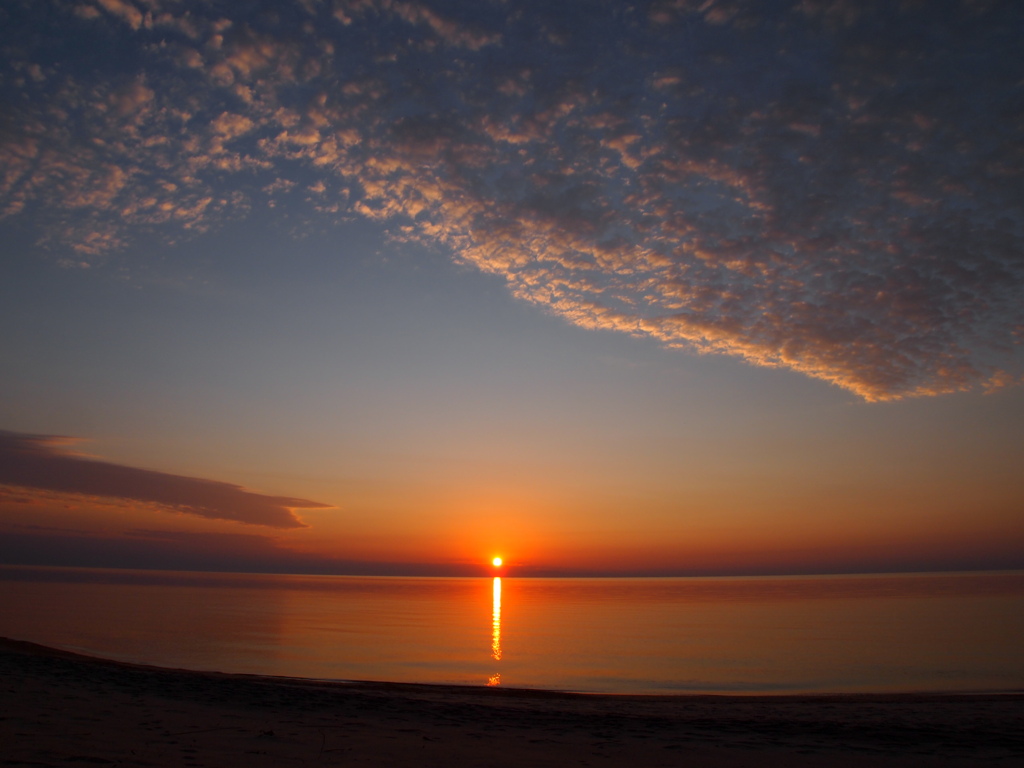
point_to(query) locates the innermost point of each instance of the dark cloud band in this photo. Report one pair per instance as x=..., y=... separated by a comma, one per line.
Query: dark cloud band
x=35, y=461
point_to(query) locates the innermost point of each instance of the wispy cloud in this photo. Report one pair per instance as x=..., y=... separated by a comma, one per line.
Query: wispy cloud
x=830, y=187
x=44, y=463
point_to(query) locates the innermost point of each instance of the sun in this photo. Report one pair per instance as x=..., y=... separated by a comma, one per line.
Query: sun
x=496, y=562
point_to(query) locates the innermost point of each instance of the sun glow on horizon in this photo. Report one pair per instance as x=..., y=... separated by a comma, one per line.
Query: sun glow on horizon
x=496, y=562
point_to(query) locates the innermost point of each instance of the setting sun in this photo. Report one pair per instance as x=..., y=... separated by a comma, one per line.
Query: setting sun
x=496, y=562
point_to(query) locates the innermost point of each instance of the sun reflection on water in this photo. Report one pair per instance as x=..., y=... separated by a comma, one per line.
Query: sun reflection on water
x=496, y=622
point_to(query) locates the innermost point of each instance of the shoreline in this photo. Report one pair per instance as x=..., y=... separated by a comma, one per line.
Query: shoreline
x=58, y=706
x=39, y=649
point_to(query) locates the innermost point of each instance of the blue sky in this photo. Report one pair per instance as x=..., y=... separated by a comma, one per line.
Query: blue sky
x=674, y=286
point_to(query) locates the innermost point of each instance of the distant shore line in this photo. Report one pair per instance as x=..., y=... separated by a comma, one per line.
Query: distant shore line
x=506, y=571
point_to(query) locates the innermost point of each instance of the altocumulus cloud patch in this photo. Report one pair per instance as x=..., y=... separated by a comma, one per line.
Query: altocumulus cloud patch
x=833, y=187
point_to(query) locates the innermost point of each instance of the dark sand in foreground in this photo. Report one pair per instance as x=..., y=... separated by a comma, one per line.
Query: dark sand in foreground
x=60, y=709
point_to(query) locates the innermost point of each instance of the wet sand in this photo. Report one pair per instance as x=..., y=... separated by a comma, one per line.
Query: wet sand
x=61, y=709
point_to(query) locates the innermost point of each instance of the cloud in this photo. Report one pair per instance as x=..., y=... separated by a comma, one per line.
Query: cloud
x=143, y=549
x=44, y=463
x=124, y=10
x=826, y=186
x=165, y=557
x=452, y=33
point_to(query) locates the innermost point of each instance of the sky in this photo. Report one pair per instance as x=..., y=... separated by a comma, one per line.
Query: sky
x=397, y=286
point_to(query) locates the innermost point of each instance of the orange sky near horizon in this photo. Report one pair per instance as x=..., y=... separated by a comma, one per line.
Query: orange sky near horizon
x=761, y=528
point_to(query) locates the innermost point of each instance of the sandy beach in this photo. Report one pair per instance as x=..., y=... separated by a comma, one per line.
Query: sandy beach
x=59, y=708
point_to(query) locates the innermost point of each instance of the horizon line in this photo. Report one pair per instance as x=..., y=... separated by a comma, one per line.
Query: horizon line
x=526, y=574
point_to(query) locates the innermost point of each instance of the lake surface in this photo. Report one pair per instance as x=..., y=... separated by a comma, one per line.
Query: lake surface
x=922, y=632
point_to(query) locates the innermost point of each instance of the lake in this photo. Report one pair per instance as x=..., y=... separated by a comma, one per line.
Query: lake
x=918, y=632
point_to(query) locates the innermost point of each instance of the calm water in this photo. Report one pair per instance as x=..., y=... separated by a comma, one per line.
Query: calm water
x=776, y=634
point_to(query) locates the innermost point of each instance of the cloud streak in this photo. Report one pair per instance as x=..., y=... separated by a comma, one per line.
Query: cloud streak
x=43, y=463
x=825, y=186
